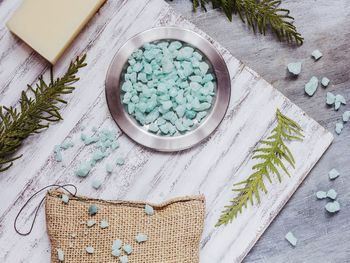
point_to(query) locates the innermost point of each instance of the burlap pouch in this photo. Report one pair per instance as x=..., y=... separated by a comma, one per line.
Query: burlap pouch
x=173, y=232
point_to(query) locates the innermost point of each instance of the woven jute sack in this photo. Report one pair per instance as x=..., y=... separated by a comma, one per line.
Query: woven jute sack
x=174, y=231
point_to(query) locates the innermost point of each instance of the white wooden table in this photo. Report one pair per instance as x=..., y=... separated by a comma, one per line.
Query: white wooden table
x=210, y=168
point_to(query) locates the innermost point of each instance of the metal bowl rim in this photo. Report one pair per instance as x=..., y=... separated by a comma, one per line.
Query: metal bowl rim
x=137, y=133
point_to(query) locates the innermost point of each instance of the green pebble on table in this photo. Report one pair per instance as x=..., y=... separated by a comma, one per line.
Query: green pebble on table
x=109, y=168
x=316, y=54
x=339, y=127
x=96, y=183
x=332, y=207
x=58, y=153
x=332, y=194
x=291, y=239
x=120, y=161
x=84, y=169
x=333, y=174
x=325, y=81
x=294, y=68
x=330, y=98
x=321, y=195
x=338, y=100
x=346, y=116
x=311, y=86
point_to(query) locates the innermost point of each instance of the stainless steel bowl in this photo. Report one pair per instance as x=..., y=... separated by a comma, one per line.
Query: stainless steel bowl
x=126, y=122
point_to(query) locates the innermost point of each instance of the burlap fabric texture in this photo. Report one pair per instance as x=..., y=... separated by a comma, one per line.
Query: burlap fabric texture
x=174, y=231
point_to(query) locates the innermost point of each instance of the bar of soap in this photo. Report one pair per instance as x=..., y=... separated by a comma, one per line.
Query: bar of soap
x=49, y=26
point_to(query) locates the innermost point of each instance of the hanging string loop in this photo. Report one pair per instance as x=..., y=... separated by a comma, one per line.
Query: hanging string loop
x=58, y=186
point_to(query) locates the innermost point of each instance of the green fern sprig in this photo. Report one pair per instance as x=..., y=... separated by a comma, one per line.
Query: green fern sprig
x=35, y=112
x=272, y=154
x=259, y=15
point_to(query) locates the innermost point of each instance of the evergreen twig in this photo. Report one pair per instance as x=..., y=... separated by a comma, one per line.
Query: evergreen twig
x=260, y=15
x=272, y=153
x=35, y=112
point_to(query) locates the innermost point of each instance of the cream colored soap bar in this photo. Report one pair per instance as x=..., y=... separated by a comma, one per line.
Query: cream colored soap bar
x=49, y=26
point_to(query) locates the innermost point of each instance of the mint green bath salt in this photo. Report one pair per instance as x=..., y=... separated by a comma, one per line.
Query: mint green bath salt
x=168, y=87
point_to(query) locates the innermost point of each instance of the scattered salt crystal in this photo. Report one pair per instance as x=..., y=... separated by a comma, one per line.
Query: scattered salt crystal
x=141, y=237
x=109, y=168
x=65, y=198
x=340, y=98
x=332, y=194
x=96, y=184
x=58, y=153
x=93, y=209
x=67, y=144
x=124, y=259
x=149, y=210
x=316, y=54
x=325, y=81
x=117, y=244
x=116, y=252
x=311, y=86
x=104, y=224
x=120, y=161
x=346, y=116
x=89, y=250
x=60, y=254
x=84, y=169
x=339, y=127
x=321, y=195
x=128, y=249
x=333, y=174
x=294, y=68
x=91, y=223
x=332, y=207
x=330, y=98
x=291, y=239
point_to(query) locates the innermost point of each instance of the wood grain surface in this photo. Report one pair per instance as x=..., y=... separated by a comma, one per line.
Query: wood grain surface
x=324, y=25
x=210, y=168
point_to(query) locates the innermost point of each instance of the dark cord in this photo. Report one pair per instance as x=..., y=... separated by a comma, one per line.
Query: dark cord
x=38, y=207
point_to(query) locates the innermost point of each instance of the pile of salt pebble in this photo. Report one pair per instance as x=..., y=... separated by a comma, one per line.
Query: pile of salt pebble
x=168, y=87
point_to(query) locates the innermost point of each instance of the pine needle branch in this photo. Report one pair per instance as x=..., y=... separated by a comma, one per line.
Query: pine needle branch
x=35, y=112
x=273, y=154
x=259, y=15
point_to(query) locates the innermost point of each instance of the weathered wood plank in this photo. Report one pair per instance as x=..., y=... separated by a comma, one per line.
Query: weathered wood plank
x=211, y=168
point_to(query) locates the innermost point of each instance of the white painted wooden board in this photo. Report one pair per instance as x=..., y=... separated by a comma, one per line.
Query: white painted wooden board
x=210, y=168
